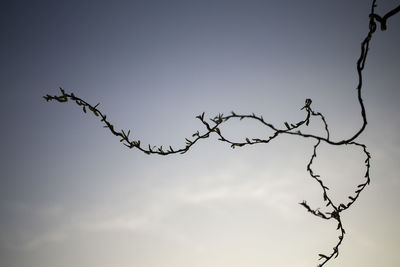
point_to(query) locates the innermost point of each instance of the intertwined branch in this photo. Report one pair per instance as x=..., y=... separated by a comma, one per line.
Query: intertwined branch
x=212, y=126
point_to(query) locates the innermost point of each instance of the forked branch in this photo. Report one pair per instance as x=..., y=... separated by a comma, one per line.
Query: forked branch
x=212, y=126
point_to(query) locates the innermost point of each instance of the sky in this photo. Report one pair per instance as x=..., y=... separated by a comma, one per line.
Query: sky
x=72, y=195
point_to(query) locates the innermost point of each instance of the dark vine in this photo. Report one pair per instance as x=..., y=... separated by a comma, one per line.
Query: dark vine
x=212, y=127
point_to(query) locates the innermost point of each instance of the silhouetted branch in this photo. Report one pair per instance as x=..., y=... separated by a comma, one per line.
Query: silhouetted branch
x=382, y=20
x=212, y=126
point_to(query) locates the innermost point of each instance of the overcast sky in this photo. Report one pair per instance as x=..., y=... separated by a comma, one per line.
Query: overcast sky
x=71, y=195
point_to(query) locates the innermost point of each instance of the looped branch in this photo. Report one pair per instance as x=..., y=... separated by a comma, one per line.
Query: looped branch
x=383, y=20
x=212, y=126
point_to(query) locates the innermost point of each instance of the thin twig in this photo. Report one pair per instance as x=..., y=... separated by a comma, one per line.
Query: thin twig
x=212, y=126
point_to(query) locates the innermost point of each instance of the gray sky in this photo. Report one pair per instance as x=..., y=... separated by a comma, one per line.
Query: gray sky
x=71, y=195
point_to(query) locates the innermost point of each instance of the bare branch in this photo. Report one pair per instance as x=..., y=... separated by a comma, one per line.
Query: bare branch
x=212, y=126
